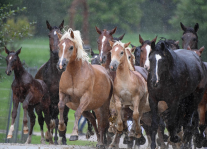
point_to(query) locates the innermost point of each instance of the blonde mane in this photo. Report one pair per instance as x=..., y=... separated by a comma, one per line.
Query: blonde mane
x=81, y=54
x=122, y=45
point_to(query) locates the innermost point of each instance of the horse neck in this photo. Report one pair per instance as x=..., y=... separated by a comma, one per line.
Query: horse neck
x=74, y=66
x=123, y=69
x=108, y=61
x=53, y=61
x=19, y=70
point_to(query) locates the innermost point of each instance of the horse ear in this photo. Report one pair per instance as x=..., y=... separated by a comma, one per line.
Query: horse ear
x=133, y=49
x=201, y=50
x=111, y=43
x=126, y=44
x=6, y=50
x=92, y=53
x=188, y=48
x=152, y=45
x=61, y=25
x=98, y=30
x=140, y=39
x=154, y=39
x=183, y=26
x=111, y=32
x=59, y=35
x=72, y=34
x=18, y=51
x=132, y=45
x=177, y=42
x=48, y=25
x=196, y=27
x=121, y=37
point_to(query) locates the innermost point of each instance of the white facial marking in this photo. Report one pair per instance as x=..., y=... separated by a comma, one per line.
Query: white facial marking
x=147, y=63
x=104, y=38
x=116, y=49
x=54, y=32
x=61, y=59
x=195, y=52
x=96, y=56
x=157, y=57
x=10, y=57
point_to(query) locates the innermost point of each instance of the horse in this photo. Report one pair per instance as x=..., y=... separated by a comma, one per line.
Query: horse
x=174, y=79
x=197, y=51
x=95, y=58
x=190, y=37
x=134, y=95
x=104, y=48
x=83, y=87
x=145, y=50
x=137, y=53
x=49, y=73
x=33, y=93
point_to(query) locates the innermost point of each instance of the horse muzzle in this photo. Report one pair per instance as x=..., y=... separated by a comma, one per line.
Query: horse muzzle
x=61, y=65
x=8, y=72
x=114, y=65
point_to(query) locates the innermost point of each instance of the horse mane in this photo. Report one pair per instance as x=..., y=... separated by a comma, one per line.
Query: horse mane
x=130, y=64
x=190, y=30
x=81, y=54
x=169, y=41
x=118, y=43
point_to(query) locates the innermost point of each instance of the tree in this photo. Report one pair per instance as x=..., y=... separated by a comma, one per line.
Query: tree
x=190, y=12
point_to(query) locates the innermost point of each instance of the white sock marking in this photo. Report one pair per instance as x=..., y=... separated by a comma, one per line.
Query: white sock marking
x=157, y=57
x=148, y=48
x=54, y=32
x=61, y=59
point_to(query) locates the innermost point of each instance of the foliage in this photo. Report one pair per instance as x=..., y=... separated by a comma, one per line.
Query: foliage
x=190, y=12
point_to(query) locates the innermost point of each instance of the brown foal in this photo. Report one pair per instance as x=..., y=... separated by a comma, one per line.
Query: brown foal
x=83, y=87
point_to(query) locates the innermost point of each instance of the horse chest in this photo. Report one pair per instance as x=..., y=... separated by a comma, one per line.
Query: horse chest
x=125, y=97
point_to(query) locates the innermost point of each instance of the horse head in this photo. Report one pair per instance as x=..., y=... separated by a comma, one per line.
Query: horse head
x=190, y=37
x=137, y=53
x=12, y=60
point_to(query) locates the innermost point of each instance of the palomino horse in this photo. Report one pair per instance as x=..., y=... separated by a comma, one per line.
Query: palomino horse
x=105, y=48
x=145, y=50
x=133, y=95
x=190, y=37
x=33, y=93
x=49, y=73
x=83, y=87
x=165, y=83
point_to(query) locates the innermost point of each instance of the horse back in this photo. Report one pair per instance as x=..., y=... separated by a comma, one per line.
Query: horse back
x=142, y=71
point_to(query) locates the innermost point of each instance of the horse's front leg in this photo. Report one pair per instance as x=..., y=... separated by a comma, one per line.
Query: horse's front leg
x=14, y=114
x=81, y=108
x=119, y=117
x=61, y=106
x=25, y=107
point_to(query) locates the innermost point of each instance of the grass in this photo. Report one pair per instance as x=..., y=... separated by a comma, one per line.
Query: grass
x=35, y=52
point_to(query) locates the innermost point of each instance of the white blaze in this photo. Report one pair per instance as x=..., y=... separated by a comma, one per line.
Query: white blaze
x=157, y=57
x=10, y=57
x=61, y=59
x=147, y=63
x=116, y=49
x=103, y=39
x=54, y=32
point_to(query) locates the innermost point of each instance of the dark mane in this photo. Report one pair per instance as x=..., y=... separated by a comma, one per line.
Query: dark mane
x=147, y=42
x=190, y=30
x=168, y=42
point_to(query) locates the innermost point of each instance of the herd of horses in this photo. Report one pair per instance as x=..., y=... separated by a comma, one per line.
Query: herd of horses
x=156, y=86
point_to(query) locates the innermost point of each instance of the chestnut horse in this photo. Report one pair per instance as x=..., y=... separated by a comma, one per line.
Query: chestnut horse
x=133, y=95
x=83, y=87
x=197, y=51
x=33, y=93
x=190, y=37
x=145, y=50
x=49, y=73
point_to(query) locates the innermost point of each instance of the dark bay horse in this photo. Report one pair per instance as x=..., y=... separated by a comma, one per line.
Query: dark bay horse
x=197, y=51
x=33, y=93
x=137, y=53
x=83, y=87
x=173, y=78
x=190, y=37
x=49, y=73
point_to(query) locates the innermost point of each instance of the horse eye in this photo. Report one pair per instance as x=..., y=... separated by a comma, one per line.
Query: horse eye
x=71, y=48
x=129, y=57
x=122, y=52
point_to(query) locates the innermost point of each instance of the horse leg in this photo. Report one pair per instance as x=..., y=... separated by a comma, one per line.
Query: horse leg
x=90, y=131
x=38, y=110
x=32, y=123
x=14, y=114
x=115, y=141
x=61, y=106
x=25, y=107
x=65, y=116
x=155, y=120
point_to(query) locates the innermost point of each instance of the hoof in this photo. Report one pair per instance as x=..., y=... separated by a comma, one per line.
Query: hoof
x=42, y=141
x=9, y=136
x=165, y=138
x=47, y=140
x=73, y=138
x=55, y=142
x=26, y=131
x=130, y=144
x=100, y=146
x=126, y=140
x=175, y=139
x=140, y=141
x=113, y=147
x=89, y=134
x=64, y=142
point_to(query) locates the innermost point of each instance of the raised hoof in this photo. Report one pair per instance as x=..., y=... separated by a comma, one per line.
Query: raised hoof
x=165, y=138
x=175, y=139
x=73, y=138
x=100, y=146
x=126, y=140
x=25, y=131
x=140, y=141
x=9, y=136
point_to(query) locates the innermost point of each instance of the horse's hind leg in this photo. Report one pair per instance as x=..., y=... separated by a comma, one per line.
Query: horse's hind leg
x=38, y=110
x=90, y=131
x=32, y=123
